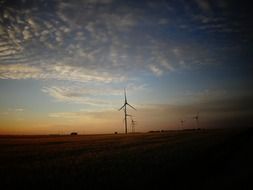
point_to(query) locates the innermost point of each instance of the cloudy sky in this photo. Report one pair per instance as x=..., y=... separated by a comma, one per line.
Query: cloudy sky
x=64, y=64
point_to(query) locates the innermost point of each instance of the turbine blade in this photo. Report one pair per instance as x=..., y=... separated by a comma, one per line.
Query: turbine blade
x=122, y=107
x=130, y=106
x=125, y=94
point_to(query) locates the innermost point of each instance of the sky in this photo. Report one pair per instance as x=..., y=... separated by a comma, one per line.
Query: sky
x=64, y=65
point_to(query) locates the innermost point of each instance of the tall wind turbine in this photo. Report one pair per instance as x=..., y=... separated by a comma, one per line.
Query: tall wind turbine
x=125, y=110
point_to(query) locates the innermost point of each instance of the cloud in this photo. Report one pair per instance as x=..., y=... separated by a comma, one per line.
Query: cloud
x=56, y=71
x=19, y=110
x=155, y=70
x=51, y=38
x=75, y=45
x=78, y=73
x=176, y=51
x=166, y=65
x=88, y=42
x=19, y=71
x=65, y=115
x=101, y=114
x=120, y=22
x=11, y=111
x=95, y=95
x=163, y=21
x=67, y=95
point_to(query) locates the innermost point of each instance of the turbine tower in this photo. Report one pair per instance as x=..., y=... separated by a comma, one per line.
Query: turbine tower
x=125, y=110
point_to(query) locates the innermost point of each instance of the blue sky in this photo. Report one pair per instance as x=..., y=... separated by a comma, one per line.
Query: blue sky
x=66, y=63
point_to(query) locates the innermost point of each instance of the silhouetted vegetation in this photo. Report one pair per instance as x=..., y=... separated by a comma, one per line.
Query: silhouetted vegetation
x=157, y=131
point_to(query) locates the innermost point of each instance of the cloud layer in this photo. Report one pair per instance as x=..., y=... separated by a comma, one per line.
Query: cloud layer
x=83, y=36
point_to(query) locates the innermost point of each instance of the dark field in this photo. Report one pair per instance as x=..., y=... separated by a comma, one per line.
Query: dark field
x=205, y=159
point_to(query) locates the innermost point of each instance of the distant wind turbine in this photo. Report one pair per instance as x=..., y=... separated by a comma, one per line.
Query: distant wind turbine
x=182, y=123
x=133, y=122
x=125, y=110
x=197, y=119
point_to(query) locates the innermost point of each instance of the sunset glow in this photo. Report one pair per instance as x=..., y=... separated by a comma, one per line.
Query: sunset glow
x=64, y=65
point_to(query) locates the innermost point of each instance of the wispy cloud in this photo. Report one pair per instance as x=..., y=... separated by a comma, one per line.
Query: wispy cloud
x=101, y=114
x=19, y=110
x=19, y=71
x=12, y=111
x=65, y=115
x=56, y=71
x=69, y=96
x=88, y=42
x=84, y=45
x=89, y=95
x=155, y=70
x=163, y=21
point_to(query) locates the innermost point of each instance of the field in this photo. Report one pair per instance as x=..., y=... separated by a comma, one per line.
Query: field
x=205, y=159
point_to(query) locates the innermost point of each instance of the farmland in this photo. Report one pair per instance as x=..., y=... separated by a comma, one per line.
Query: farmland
x=205, y=159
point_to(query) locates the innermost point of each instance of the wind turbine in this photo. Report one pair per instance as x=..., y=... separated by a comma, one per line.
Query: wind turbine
x=182, y=123
x=133, y=124
x=125, y=110
x=197, y=119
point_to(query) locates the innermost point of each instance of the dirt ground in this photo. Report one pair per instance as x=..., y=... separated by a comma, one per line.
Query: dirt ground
x=203, y=159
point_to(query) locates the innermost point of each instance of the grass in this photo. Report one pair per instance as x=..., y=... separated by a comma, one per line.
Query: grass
x=206, y=159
